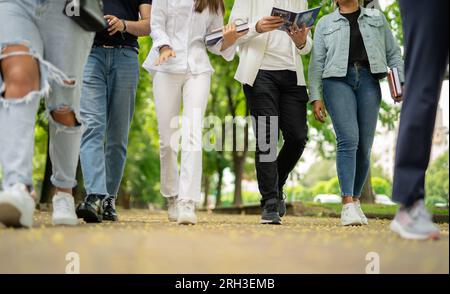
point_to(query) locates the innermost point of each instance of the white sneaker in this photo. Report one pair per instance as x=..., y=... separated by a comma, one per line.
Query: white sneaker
x=172, y=209
x=350, y=216
x=363, y=217
x=415, y=223
x=16, y=207
x=186, y=212
x=64, y=210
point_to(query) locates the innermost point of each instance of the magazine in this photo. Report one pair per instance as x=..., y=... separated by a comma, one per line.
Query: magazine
x=307, y=17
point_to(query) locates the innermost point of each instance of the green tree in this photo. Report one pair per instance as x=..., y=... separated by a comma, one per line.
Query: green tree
x=437, y=180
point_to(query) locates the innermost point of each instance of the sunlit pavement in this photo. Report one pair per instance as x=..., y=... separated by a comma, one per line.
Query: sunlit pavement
x=145, y=242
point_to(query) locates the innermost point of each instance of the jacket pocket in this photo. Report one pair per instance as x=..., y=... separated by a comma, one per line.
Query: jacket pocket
x=332, y=30
x=332, y=37
x=375, y=22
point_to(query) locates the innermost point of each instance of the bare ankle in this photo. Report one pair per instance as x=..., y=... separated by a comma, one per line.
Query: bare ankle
x=347, y=200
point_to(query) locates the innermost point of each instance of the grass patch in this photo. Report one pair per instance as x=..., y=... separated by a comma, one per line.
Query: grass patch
x=369, y=208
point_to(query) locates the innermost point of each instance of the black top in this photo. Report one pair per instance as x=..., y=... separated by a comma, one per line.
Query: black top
x=358, y=51
x=123, y=9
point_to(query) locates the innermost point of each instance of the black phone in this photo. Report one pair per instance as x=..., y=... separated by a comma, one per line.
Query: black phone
x=87, y=13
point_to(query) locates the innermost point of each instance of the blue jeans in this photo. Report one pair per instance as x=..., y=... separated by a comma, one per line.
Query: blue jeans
x=107, y=108
x=353, y=103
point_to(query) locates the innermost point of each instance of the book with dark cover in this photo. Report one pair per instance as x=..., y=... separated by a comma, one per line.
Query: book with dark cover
x=395, y=85
x=216, y=36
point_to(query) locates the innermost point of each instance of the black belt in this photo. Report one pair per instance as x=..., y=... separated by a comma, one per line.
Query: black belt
x=360, y=64
x=117, y=47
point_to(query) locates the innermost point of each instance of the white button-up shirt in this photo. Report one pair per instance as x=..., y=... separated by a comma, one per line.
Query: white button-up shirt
x=253, y=46
x=176, y=23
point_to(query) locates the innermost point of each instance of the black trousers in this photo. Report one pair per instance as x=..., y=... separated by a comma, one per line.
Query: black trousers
x=426, y=27
x=277, y=103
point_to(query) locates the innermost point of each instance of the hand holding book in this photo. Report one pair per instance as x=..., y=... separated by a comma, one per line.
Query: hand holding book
x=305, y=18
x=269, y=23
x=231, y=35
x=231, y=32
x=395, y=85
x=298, y=35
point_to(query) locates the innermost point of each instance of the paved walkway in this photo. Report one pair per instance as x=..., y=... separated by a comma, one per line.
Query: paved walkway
x=144, y=242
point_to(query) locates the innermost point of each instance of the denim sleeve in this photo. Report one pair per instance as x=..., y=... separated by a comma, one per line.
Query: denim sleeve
x=317, y=65
x=393, y=52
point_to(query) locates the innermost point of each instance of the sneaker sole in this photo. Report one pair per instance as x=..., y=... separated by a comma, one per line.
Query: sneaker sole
x=398, y=229
x=10, y=215
x=355, y=223
x=89, y=216
x=270, y=222
x=65, y=222
x=186, y=221
x=112, y=219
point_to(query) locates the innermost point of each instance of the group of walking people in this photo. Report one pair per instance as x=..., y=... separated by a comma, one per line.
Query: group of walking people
x=89, y=83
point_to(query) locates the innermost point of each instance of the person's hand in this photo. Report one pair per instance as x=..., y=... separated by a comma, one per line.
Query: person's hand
x=319, y=111
x=164, y=54
x=231, y=35
x=115, y=24
x=298, y=35
x=269, y=23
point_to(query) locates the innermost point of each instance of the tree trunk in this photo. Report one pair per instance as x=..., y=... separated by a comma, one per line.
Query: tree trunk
x=124, y=199
x=206, y=184
x=219, y=188
x=368, y=196
x=46, y=191
x=238, y=163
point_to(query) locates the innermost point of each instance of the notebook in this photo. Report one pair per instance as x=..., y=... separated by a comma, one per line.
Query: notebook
x=216, y=36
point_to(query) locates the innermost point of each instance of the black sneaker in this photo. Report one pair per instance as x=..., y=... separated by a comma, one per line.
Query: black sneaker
x=270, y=213
x=91, y=209
x=109, y=209
x=282, y=204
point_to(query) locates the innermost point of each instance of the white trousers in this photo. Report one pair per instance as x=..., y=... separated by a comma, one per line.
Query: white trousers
x=171, y=92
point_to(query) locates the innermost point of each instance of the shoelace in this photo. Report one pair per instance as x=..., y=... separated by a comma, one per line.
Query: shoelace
x=109, y=202
x=184, y=205
x=63, y=204
x=419, y=212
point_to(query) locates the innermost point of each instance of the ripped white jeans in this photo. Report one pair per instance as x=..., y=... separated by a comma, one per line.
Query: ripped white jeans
x=61, y=48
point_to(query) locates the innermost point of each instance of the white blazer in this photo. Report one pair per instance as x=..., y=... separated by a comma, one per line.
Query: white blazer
x=252, y=46
x=176, y=24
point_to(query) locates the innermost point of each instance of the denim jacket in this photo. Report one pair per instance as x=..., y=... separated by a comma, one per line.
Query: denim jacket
x=332, y=45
